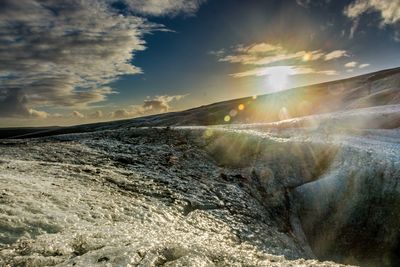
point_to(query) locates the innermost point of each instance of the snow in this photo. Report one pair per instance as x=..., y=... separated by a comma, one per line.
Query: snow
x=258, y=194
x=131, y=198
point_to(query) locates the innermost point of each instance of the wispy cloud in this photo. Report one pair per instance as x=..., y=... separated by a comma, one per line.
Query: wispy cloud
x=303, y=3
x=354, y=28
x=396, y=36
x=98, y=114
x=163, y=7
x=389, y=11
x=269, y=55
x=289, y=70
x=308, y=3
x=351, y=64
x=335, y=54
x=264, y=54
x=365, y=65
x=64, y=53
x=77, y=114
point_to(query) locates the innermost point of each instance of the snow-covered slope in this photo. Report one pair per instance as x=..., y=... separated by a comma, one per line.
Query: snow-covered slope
x=140, y=197
x=322, y=184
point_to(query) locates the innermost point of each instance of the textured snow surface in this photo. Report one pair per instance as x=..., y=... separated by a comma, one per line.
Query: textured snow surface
x=137, y=197
x=323, y=184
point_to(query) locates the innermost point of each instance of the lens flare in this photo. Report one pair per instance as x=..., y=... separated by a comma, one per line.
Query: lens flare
x=227, y=118
x=284, y=114
x=241, y=107
x=307, y=57
x=208, y=133
x=279, y=76
x=233, y=113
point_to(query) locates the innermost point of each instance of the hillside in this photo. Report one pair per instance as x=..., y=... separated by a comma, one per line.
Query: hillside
x=317, y=184
x=370, y=90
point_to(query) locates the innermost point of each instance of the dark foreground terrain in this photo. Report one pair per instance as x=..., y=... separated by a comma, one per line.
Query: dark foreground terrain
x=323, y=184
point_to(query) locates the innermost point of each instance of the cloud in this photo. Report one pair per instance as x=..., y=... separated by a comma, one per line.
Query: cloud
x=361, y=66
x=308, y=3
x=354, y=28
x=396, y=36
x=303, y=3
x=77, y=114
x=388, y=9
x=56, y=115
x=259, y=48
x=98, y=114
x=264, y=54
x=351, y=64
x=288, y=70
x=38, y=114
x=335, y=54
x=13, y=104
x=158, y=104
x=122, y=113
x=265, y=57
x=63, y=53
x=164, y=7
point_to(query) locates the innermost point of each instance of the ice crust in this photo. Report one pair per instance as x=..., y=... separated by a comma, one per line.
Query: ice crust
x=144, y=197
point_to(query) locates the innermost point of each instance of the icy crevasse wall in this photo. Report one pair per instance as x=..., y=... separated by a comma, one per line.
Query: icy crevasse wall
x=351, y=213
x=338, y=193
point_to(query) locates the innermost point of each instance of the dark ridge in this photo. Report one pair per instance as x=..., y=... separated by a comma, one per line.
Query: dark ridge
x=14, y=132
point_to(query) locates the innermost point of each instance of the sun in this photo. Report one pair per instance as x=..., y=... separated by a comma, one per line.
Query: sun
x=278, y=78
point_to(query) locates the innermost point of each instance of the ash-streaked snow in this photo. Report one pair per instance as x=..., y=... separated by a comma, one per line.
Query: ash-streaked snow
x=142, y=197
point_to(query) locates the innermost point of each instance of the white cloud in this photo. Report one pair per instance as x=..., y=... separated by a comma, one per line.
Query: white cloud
x=388, y=9
x=354, y=28
x=38, y=114
x=56, y=115
x=288, y=70
x=361, y=66
x=77, y=114
x=98, y=114
x=63, y=53
x=335, y=54
x=122, y=113
x=351, y=64
x=163, y=7
x=260, y=48
x=264, y=54
x=267, y=55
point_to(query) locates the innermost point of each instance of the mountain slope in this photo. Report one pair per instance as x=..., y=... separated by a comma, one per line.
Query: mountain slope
x=370, y=90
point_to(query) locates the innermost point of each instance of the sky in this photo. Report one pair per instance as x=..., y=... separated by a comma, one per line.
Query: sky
x=82, y=61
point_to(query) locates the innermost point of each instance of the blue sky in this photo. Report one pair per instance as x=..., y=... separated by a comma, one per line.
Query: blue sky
x=67, y=64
